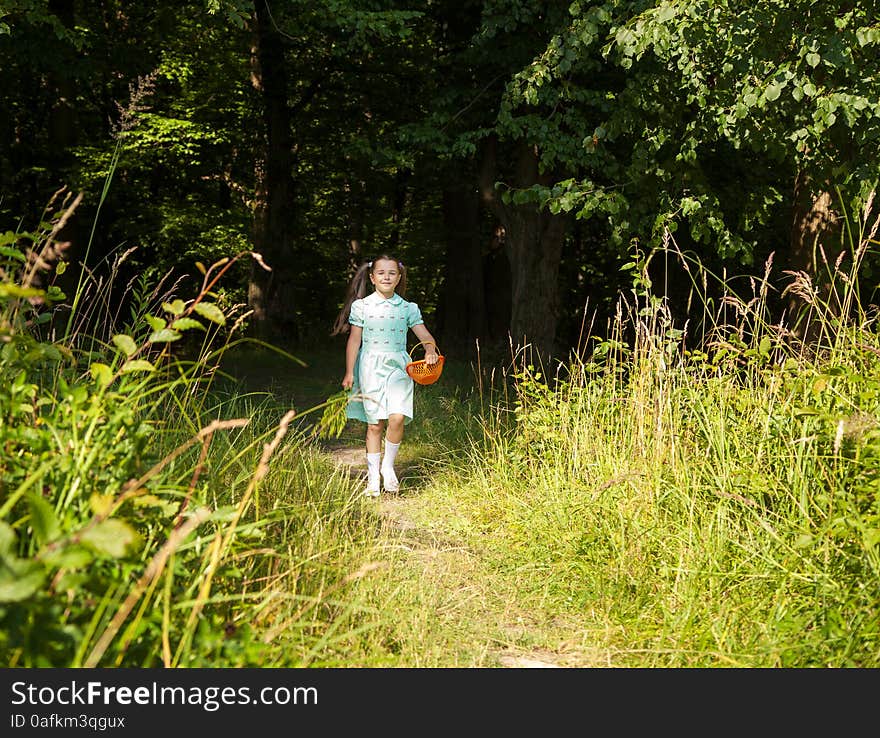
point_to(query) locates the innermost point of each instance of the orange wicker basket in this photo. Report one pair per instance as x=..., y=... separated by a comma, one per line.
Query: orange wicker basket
x=424, y=373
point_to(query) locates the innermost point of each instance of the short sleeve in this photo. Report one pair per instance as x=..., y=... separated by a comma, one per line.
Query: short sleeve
x=356, y=316
x=414, y=315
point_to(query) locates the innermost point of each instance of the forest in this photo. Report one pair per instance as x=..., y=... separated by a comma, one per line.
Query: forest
x=643, y=232
x=514, y=155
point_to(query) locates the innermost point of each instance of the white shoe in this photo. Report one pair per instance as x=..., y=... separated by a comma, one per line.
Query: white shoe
x=372, y=489
x=390, y=481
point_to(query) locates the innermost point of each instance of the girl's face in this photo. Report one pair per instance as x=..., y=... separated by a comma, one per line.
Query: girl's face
x=385, y=276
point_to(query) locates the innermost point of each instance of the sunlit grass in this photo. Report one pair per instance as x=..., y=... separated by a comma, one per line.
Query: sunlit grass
x=653, y=501
x=660, y=507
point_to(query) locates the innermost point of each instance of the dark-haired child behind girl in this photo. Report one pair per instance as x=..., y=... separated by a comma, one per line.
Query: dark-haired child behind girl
x=375, y=361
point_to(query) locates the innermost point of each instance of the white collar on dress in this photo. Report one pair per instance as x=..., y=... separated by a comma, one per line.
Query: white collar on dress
x=376, y=298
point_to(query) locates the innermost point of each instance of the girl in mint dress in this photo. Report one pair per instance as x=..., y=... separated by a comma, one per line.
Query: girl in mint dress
x=375, y=359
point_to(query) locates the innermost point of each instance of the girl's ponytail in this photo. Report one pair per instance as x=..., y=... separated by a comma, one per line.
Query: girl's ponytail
x=356, y=290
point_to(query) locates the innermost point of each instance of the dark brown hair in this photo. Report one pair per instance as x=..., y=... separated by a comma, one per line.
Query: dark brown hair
x=358, y=289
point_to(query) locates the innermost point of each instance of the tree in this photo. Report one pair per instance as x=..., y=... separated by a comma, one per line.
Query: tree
x=324, y=79
x=481, y=46
x=153, y=113
x=715, y=113
x=274, y=209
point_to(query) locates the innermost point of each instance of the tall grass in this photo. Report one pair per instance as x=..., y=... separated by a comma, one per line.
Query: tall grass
x=145, y=517
x=660, y=499
x=663, y=505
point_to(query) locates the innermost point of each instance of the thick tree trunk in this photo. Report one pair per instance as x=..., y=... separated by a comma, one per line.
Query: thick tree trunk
x=813, y=221
x=534, y=239
x=814, y=249
x=462, y=313
x=270, y=294
x=535, y=247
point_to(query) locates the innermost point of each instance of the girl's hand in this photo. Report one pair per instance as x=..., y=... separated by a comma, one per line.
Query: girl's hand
x=430, y=357
x=348, y=381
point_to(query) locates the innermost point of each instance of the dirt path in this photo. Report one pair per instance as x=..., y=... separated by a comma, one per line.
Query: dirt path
x=394, y=507
x=399, y=512
x=446, y=565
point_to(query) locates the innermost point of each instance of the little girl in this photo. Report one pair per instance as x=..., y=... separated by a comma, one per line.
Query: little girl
x=375, y=361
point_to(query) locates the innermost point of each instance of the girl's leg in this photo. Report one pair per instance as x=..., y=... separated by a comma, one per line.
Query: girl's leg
x=374, y=437
x=374, y=454
x=393, y=437
x=395, y=428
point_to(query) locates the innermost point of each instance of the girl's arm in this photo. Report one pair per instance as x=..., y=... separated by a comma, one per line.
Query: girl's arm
x=351, y=352
x=423, y=334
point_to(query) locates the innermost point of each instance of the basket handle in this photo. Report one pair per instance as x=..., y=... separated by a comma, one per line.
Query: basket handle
x=425, y=343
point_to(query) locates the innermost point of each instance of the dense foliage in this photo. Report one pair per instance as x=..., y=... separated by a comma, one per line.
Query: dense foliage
x=318, y=134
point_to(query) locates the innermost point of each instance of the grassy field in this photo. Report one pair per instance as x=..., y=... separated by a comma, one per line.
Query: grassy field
x=667, y=516
x=173, y=496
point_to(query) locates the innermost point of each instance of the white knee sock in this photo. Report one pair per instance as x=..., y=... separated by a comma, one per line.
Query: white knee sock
x=373, y=471
x=388, y=472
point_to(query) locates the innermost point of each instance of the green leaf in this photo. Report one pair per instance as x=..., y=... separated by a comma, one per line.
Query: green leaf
x=101, y=373
x=166, y=335
x=7, y=538
x=43, y=519
x=125, y=343
x=13, y=290
x=69, y=557
x=168, y=507
x=182, y=324
x=110, y=538
x=137, y=365
x=666, y=13
x=157, y=324
x=55, y=294
x=19, y=579
x=813, y=59
x=175, y=307
x=773, y=91
x=12, y=253
x=210, y=311
x=101, y=504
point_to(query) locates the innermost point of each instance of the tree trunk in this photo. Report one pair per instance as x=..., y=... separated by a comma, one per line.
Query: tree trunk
x=534, y=243
x=401, y=191
x=462, y=313
x=813, y=221
x=62, y=116
x=496, y=278
x=355, y=189
x=534, y=239
x=814, y=249
x=269, y=293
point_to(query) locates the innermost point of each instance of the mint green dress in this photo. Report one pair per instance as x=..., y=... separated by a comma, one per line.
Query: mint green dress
x=381, y=385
